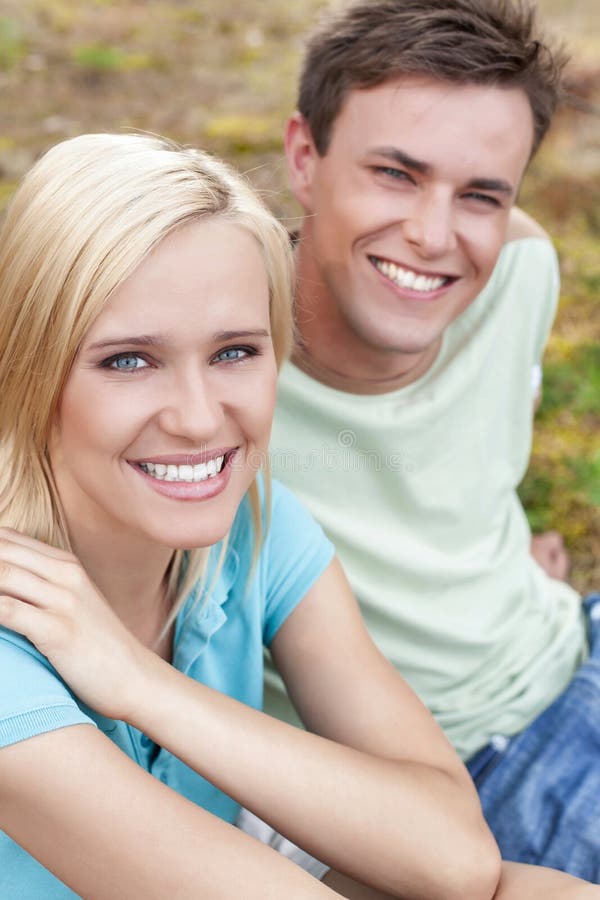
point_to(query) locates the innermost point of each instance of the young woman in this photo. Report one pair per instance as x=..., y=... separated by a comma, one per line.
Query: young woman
x=144, y=310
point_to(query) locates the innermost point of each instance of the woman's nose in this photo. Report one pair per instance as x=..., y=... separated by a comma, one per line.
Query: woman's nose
x=192, y=409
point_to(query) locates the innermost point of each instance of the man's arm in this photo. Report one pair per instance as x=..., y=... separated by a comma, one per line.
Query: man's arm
x=547, y=549
x=522, y=225
x=517, y=882
x=521, y=882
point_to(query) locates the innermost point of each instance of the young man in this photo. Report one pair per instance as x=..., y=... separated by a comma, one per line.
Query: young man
x=404, y=419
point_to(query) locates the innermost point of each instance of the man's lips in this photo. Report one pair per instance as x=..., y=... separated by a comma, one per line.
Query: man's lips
x=414, y=280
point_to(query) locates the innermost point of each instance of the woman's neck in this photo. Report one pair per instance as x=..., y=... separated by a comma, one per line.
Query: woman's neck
x=131, y=576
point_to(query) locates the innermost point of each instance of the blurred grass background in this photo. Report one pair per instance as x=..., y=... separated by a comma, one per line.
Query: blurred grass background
x=222, y=75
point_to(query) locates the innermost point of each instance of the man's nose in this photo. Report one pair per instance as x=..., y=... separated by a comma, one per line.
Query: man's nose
x=430, y=226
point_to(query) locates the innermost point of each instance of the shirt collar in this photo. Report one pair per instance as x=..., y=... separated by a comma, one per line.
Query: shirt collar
x=202, y=614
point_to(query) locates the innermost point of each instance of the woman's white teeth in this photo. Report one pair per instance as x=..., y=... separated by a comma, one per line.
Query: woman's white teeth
x=184, y=473
x=406, y=278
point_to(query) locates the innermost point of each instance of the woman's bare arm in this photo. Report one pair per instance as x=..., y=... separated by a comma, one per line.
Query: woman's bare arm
x=393, y=808
x=110, y=830
x=345, y=690
x=405, y=791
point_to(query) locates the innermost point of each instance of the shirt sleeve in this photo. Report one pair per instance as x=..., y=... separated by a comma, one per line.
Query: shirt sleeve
x=296, y=553
x=536, y=380
x=534, y=276
x=33, y=698
x=549, y=275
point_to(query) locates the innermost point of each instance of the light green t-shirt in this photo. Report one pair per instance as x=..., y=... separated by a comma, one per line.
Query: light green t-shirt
x=416, y=489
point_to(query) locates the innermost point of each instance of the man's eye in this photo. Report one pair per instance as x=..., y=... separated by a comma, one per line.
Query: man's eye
x=125, y=362
x=483, y=198
x=396, y=174
x=233, y=354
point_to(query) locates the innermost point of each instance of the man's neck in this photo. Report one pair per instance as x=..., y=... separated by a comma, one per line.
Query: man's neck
x=329, y=351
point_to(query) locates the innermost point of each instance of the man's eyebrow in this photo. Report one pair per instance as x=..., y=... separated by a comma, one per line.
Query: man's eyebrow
x=154, y=340
x=394, y=154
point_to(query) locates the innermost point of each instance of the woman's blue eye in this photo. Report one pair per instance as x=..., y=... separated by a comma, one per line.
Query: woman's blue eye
x=231, y=354
x=127, y=362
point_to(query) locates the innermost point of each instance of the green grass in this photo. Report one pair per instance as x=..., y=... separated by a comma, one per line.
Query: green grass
x=573, y=384
x=12, y=43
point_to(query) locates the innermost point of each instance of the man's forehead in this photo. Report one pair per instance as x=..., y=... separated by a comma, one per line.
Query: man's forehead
x=415, y=114
x=404, y=91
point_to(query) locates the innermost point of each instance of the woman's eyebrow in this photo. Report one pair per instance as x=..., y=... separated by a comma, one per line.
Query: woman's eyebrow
x=150, y=340
x=234, y=335
x=139, y=340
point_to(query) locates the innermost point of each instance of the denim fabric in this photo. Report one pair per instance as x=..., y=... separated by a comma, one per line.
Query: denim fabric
x=540, y=790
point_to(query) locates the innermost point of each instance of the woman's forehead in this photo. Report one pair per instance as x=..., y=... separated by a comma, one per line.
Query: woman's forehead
x=207, y=277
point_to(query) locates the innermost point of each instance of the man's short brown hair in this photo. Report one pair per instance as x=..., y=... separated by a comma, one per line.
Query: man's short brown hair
x=489, y=42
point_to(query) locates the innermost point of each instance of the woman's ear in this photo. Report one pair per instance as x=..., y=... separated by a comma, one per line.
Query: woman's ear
x=301, y=156
x=52, y=451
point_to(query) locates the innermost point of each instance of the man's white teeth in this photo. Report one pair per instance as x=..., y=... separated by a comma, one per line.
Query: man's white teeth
x=184, y=473
x=406, y=278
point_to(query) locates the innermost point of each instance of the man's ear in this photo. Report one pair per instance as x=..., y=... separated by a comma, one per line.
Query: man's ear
x=301, y=156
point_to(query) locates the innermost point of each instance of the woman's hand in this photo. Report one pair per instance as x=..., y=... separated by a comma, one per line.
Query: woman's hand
x=46, y=595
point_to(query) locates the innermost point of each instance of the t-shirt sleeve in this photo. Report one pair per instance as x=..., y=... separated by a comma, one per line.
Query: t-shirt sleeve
x=549, y=276
x=33, y=698
x=532, y=272
x=296, y=553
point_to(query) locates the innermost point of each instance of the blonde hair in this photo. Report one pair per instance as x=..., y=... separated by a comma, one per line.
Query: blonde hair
x=82, y=220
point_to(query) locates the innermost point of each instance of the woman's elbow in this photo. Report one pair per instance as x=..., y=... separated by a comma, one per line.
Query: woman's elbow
x=465, y=866
x=475, y=869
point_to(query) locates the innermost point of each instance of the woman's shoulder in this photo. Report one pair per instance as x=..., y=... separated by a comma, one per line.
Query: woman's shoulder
x=33, y=697
x=285, y=502
x=282, y=515
x=295, y=547
x=295, y=554
x=16, y=651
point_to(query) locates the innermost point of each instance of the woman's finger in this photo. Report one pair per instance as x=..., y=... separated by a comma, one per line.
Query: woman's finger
x=18, y=550
x=17, y=537
x=23, y=584
x=20, y=616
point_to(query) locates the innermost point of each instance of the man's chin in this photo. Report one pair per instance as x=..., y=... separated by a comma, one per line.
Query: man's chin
x=410, y=343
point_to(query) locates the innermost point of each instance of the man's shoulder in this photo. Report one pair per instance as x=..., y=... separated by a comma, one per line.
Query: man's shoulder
x=527, y=270
x=521, y=225
x=528, y=259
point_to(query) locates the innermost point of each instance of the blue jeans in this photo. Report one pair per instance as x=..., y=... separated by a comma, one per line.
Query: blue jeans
x=540, y=790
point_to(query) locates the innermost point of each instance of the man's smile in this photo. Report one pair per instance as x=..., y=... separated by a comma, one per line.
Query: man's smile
x=410, y=279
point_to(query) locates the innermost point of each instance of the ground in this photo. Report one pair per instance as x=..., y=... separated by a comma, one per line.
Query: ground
x=221, y=75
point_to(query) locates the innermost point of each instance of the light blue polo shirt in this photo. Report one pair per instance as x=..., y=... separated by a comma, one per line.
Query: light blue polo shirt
x=218, y=641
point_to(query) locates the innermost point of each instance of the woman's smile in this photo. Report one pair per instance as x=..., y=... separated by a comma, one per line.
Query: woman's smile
x=188, y=480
